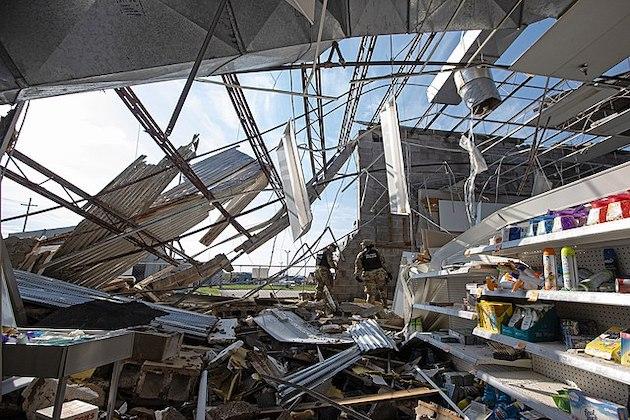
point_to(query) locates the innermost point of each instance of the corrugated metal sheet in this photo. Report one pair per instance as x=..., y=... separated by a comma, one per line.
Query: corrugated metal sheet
x=222, y=171
x=287, y=327
x=370, y=336
x=36, y=288
x=98, y=255
x=318, y=373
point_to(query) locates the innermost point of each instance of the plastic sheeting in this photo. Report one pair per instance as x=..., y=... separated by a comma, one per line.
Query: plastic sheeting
x=296, y=196
x=396, y=179
x=477, y=166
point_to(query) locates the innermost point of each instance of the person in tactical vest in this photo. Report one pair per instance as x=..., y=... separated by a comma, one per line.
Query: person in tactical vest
x=369, y=268
x=323, y=264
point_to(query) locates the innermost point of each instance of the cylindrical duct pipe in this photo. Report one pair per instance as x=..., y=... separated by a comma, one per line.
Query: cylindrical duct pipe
x=477, y=89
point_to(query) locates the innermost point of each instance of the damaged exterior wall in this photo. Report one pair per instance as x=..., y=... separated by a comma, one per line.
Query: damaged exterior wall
x=428, y=152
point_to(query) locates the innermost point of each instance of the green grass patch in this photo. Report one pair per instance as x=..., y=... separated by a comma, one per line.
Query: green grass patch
x=216, y=291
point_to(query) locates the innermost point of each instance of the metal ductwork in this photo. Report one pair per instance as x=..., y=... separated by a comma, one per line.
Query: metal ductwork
x=477, y=89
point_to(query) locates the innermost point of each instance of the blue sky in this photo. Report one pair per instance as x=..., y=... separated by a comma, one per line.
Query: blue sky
x=91, y=137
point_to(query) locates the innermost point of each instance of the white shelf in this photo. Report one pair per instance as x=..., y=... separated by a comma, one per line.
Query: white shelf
x=556, y=351
x=466, y=271
x=474, y=354
x=446, y=310
x=601, y=298
x=601, y=233
x=531, y=388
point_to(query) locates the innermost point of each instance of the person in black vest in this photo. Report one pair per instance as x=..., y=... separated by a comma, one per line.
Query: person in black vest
x=369, y=268
x=324, y=262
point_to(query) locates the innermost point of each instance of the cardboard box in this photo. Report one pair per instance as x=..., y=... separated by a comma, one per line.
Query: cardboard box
x=71, y=410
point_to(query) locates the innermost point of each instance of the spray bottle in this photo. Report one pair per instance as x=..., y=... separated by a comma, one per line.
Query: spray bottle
x=549, y=268
x=569, y=268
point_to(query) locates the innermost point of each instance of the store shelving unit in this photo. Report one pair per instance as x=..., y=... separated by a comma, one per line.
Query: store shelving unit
x=465, y=271
x=552, y=365
x=600, y=234
x=446, y=310
x=601, y=298
x=557, y=352
x=478, y=354
x=531, y=388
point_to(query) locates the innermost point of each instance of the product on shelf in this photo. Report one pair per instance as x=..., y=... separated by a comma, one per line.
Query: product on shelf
x=532, y=229
x=511, y=233
x=607, y=345
x=618, y=207
x=568, y=218
x=533, y=323
x=576, y=334
x=544, y=225
x=569, y=268
x=602, y=281
x=625, y=347
x=550, y=269
x=492, y=315
x=518, y=276
x=589, y=408
x=622, y=285
x=597, y=212
x=561, y=400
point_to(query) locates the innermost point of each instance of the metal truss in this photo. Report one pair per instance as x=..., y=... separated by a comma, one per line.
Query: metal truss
x=248, y=122
x=366, y=50
x=318, y=109
x=150, y=126
x=115, y=216
x=72, y=206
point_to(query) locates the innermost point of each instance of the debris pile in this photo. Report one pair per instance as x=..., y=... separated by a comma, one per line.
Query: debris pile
x=295, y=359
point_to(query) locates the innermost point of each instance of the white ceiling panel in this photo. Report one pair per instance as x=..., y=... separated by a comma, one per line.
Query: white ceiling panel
x=607, y=145
x=574, y=103
x=594, y=33
x=613, y=124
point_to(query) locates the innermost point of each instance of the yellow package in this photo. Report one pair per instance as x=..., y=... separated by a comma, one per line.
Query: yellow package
x=492, y=315
x=607, y=345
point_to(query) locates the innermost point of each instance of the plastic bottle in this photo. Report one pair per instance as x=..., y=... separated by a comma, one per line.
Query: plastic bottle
x=549, y=268
x=569, y=268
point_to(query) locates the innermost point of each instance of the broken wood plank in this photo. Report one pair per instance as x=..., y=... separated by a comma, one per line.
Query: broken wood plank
x=364, y=399
x=387, y=396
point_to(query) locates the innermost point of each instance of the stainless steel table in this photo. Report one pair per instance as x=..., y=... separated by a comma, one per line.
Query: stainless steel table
x=63, y=360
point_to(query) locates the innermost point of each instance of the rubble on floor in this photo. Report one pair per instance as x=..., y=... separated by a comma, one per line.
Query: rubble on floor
x=293, y=359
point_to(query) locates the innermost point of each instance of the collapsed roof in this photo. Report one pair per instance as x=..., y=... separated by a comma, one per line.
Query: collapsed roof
x=51, y=48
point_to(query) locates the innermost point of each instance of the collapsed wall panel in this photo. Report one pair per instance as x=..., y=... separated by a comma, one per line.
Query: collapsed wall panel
x=105, y=255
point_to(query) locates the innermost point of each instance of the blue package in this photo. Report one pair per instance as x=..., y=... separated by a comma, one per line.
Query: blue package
x=588, y=408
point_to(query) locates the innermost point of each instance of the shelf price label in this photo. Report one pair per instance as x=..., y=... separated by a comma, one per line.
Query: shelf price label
x=532, y=295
